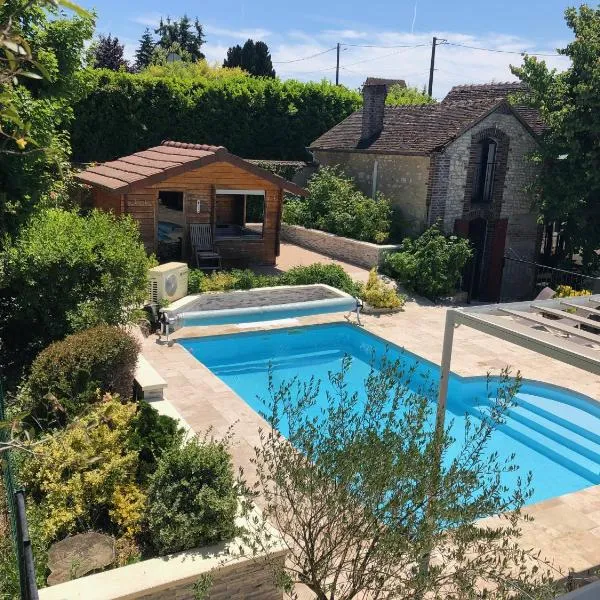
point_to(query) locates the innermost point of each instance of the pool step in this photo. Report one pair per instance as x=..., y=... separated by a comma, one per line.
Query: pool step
x=575, y=460
x=566, y=435
x=282, y=362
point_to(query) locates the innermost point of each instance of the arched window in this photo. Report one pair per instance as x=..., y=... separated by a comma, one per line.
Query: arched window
x=483, y=184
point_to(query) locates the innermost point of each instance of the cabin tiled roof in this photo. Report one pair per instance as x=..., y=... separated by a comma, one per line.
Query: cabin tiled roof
x=422, y=129
x=167, y=160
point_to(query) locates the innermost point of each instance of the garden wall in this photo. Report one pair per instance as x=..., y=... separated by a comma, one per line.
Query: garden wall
x=173, y=577
x=363, y=254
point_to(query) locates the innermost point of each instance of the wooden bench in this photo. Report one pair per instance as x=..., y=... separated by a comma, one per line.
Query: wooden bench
x=149, y=384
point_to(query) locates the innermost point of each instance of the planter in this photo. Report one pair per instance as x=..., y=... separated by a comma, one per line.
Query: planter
x=362, y=254
x=367, y=309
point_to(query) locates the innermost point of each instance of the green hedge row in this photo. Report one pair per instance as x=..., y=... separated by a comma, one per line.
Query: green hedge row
x=120, y=113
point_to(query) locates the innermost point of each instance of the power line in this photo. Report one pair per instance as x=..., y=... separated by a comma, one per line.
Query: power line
x=378, y=46
x=285, y=62
x=521, y=52
x=358, y=62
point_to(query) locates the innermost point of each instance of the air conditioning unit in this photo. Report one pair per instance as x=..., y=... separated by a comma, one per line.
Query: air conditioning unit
x=167, y=282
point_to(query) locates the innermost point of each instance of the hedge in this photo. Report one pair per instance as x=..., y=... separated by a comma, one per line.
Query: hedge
x=65, y=377
x=121, y=113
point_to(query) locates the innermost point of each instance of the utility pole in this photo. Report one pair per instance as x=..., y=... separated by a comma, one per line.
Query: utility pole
x=337, y=66
x=432, y=66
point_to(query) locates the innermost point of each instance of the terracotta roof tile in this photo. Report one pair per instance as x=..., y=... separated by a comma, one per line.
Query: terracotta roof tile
x=170, y=158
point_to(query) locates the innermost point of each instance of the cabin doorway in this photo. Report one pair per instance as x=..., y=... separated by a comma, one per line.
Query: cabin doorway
x=171, y=226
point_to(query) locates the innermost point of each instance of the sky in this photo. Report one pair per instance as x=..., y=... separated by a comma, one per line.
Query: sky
x=380, y=38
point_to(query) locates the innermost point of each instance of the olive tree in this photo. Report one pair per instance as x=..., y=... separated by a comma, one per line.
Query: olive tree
x=364, y=508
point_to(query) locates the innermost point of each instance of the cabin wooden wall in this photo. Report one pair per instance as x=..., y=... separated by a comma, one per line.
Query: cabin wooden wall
x=200, y=185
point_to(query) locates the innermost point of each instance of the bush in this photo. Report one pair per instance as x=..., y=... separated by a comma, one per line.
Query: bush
x=83, y=477
x=252, y=117
x=430, y=265
x=334, y=204
x=565, y=291
x=66, y=376
x=379, y=295
x=65, y=273
x=192, y=499
x=333, y=275
x=238, y=279
x=151, y=435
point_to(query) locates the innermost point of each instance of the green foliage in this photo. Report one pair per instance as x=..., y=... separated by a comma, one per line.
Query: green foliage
x=143, y=54
x=83, y=477
x=237, y=279
x=363, y=486
x=151, y=435
x=252, y=117
x=400, y=96
x=253, y=57
x=64, y=273
x=182, y=34
x=379, y=295
x=334, y=204
x=333, y=275
x=66, y=376
x=192, y=499
x=107, y=53
x=287, y=170
x=566, y=291
x=430, y=265
x=34, y=170
x=568, y=185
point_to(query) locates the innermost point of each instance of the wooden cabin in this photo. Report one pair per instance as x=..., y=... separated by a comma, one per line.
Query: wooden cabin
x=168, y=187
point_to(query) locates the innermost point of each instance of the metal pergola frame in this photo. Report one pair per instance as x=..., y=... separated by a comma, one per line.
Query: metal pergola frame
x=560, y=328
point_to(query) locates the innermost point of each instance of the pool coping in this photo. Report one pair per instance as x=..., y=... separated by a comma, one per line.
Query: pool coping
x=566, y=528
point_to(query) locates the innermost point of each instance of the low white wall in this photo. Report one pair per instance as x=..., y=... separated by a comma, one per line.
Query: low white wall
x=363, y=254
x=173, y=576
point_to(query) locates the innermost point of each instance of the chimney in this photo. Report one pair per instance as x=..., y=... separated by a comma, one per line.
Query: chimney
x=374, y=93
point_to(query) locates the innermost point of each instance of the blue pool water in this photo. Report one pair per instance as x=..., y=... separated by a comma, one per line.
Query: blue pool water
x=553, y=432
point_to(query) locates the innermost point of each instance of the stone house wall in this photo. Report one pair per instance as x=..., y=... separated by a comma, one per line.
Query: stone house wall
x=402, y=178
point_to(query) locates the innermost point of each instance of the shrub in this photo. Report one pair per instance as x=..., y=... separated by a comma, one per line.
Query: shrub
x=252, y=117
x=65, y=273
x=328, y=274
x=151, y=435
x=192, y=499
x=379, y=295
x=66, y=376
x=565, y=291
x=83, y=477
x=335, y=205
x=430, y=265
x=219, y=281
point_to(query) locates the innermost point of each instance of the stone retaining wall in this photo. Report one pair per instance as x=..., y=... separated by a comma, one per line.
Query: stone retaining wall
x=363, y=254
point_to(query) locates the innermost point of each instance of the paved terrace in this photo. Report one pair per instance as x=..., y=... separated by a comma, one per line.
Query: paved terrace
x=566, y=529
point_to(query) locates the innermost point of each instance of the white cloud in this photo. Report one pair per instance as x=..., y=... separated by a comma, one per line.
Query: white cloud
x=238, y=34
x=148, y=19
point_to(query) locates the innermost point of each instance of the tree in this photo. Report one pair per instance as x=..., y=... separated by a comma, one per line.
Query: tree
x=254, y=58
x=351, y=487
x=143, y=55
x=567, y=188
x=36, y=113
x=399, y=95
x=108, y=53
x=64, y=273
x=189, y=37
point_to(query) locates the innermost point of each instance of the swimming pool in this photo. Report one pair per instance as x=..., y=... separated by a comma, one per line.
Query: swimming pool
x=553, y=432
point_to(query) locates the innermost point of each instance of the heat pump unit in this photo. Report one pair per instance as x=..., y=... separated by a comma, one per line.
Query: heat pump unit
x=167, y=282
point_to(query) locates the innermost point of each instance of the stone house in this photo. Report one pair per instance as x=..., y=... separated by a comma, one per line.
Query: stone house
x=462, y=162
